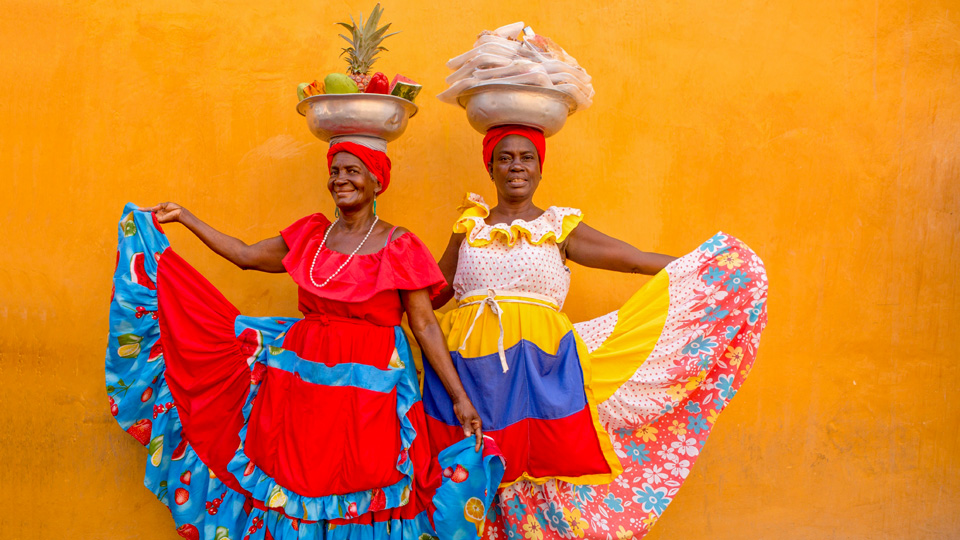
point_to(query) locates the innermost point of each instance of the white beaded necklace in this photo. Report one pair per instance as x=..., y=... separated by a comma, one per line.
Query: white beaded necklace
x=376, y=218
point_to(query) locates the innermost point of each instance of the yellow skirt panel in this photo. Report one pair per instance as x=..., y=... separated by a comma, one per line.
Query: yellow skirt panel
x=537, y=322
x=639, y=324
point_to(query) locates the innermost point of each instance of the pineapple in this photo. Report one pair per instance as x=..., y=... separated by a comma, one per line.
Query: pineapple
x=364, y=46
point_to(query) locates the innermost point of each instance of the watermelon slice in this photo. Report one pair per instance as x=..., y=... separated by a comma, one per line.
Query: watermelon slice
x=156, y=352
x=251, y=344
x=403, y=87
x=138, y=274
x=400, y=78
x=180, y=450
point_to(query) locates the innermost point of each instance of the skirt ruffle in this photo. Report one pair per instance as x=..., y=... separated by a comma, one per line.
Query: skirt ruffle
x=661, y=369
x=541, y=410
x=213, y=490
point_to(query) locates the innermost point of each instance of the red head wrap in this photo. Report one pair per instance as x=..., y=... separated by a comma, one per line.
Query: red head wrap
x=376, y=161
x=497, y=134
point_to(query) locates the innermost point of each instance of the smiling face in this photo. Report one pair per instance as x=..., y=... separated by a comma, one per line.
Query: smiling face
x=351, y=184
x=515, y=168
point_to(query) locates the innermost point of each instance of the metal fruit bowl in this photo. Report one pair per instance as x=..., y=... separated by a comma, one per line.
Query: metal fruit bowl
x=373, y=115
x=496, y=104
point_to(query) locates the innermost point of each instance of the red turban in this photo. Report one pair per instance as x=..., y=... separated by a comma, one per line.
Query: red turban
x=497, y=134
x=376, y=161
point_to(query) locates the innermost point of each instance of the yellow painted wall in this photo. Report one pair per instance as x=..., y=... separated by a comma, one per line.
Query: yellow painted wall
x=825, y=133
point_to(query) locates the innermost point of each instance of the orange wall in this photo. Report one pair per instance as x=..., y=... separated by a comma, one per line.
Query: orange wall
x=824, y=133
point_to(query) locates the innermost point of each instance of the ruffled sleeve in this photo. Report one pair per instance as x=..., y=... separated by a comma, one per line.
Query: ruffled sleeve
x=554, y=224
x=404, y=263
x=297, y=235
x=409, y=266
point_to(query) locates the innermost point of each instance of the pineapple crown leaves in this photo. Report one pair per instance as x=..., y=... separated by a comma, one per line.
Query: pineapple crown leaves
x=365, y=40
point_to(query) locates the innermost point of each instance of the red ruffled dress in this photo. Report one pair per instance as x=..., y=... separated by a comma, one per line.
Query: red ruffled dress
x=261, y=427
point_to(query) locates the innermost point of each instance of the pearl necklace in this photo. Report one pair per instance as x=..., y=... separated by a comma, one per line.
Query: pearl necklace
x=324, y=241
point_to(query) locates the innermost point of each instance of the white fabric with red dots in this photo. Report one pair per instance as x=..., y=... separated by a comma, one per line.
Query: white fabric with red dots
x=524, y=266
x=595, y=331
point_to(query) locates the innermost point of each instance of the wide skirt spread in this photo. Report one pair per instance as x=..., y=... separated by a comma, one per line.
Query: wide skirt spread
x=600, y=422
x=264, y=427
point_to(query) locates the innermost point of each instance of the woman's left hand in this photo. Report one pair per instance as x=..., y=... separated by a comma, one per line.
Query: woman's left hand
x=469, y=419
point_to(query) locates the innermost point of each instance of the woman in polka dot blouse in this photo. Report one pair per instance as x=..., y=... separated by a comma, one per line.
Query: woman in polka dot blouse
x=599, y=422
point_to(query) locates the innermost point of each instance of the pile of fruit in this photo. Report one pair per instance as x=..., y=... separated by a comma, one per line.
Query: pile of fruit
x=515, y=54
x=364, y=45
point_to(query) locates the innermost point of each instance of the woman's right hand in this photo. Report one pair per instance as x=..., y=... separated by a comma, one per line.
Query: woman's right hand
x=266, y=255
x=469, y=419
x=167, y=212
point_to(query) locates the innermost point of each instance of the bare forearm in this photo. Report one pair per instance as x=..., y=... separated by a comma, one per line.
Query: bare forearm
x=434, y=349
x=228, y=247
x=423, y=323
x=443, y=297
x=592, y=248
x=649, y=263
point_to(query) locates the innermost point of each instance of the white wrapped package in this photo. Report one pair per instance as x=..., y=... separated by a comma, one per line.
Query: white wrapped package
x=500, y=47
x=509, y=31
x=514, y=54
x=556, y=66
x=479, y=62
x=532, y=78
x=517, y=67
x=451, y=94
x=559, y=79
x=574, y=91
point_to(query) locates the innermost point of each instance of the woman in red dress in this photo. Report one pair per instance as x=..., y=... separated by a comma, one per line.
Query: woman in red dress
x=273, y=427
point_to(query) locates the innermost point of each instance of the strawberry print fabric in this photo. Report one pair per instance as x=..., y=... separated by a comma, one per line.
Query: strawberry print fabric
x=276, y=427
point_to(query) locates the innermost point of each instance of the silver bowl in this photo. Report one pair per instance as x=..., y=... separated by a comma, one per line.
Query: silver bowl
x=496, y=104
x=373, y=115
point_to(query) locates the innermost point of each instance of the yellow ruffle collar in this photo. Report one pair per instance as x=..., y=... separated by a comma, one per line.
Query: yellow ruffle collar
x=554, y=224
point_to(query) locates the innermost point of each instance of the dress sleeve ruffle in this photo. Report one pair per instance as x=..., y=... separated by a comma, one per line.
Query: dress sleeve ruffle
x=409, y=266
x=404, y=264
x=297, y=235
x=554, y=224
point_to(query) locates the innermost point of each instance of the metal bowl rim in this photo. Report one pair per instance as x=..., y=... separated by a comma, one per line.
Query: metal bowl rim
x=408, y=106
x=552, y=93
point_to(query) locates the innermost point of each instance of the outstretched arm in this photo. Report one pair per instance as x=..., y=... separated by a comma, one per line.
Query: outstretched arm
x=265, y=256
x=425, y=328
x=448, y=265
x=590, y=247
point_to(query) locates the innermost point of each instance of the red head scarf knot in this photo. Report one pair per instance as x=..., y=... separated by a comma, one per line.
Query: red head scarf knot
x=497, y=134
x=376, y=161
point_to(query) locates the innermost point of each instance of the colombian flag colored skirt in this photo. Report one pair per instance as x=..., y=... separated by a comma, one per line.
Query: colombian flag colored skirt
x=600, y=422
x=203, y=389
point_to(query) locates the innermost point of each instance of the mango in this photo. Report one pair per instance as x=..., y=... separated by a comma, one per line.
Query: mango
x=339, y=83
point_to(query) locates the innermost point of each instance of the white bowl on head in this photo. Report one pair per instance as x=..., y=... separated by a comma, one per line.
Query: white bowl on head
x=373, y=115
x=497, y=104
